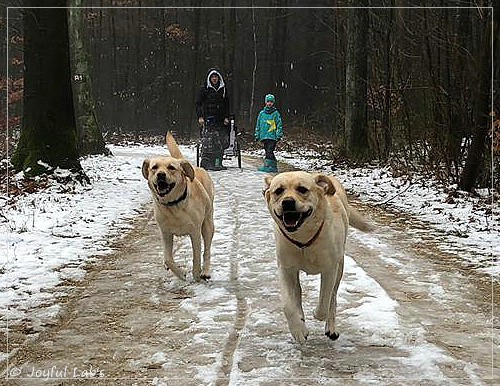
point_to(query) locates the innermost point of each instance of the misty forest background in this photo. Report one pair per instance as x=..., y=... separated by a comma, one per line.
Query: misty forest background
x=412, y=87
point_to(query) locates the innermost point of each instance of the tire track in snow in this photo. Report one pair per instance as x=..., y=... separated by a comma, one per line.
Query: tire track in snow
x=241, y=301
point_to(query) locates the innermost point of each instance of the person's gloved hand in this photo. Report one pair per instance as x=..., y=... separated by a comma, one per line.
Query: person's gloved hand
x=201, y=121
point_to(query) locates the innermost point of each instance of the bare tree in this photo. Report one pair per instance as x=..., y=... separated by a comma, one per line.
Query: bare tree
x=356, y=83
x=477, y=149
x=254, y=71
x=48, y=129
x=89, y=136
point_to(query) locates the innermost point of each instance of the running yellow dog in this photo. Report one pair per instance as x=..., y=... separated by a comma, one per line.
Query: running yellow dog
x=183, y=198
x=312, y=216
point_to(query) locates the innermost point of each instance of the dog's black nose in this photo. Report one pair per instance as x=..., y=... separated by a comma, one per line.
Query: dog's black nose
x=161, y=176
x=288, y=205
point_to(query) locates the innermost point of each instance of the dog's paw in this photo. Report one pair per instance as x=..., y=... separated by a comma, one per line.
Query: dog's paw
x=332, y=335
x=300, y=336
x=202, y=277
x=179, y=273
x=300, y=333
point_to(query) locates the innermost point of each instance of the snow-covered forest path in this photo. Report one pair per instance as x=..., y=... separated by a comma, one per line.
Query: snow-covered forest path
x=407, y=314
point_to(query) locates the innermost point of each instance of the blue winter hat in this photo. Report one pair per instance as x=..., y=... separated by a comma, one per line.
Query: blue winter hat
x=270, y=97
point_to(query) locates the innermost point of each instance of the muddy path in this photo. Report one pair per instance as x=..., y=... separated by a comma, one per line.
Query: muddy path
x=130, y=322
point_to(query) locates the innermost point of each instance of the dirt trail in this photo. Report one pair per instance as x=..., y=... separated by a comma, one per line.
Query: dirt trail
x=132, y=323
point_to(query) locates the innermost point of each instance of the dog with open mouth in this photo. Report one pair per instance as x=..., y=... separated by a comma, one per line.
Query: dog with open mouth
x=183, y=198
x=312, y=216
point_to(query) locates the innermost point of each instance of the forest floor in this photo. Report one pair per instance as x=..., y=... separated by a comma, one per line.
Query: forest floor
x=408, y=312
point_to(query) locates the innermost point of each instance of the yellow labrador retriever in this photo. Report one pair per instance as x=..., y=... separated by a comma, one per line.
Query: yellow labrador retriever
x=183, y=198
x=312, y=216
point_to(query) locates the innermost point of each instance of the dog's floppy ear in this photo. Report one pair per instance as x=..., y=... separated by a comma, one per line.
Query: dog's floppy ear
x=267, y=181
x=145, y=168
x=188, y=169
x=326, y=184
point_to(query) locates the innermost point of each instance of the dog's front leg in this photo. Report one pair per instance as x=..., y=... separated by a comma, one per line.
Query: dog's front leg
x=168, y=247
x=207, y=232
x=330, y=298
x=325, y=294
x=292, y=298
x=196, y=244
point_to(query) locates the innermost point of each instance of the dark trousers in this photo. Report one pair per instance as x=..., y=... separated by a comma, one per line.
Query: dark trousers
x=215, y=139
x=269, y=146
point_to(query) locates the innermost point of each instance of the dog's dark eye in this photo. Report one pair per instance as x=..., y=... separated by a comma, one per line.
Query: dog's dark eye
x=279, y=191
x=170, y=167
x=302, y=190
x=154, y=167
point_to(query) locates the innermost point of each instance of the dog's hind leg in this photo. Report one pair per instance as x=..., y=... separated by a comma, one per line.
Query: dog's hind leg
x=207, y=232
x=168, y=247
x=292, y=297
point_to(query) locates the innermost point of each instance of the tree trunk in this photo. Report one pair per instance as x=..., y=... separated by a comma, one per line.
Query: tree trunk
x=89, y=136
x=477, y=148
x=254, y=71
x=48, y=129
x=386, y=117
x=356, y=84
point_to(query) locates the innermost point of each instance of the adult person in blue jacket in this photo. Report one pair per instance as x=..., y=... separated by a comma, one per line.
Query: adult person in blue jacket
x=212, y=110
x=269, y=130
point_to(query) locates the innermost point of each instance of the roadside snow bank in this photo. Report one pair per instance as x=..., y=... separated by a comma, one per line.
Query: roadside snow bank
x=48, y=235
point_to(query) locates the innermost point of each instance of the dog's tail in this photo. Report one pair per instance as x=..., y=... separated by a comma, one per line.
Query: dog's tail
x=357, y=221
x=172, y=146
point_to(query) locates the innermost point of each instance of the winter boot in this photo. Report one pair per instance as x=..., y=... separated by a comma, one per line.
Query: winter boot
x=273, y=166
x=270, y=166
x=218, y=164
x=263, y=168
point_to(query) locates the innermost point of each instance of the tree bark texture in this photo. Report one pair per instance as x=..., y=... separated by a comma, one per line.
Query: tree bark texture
x=356, y=84
x=475, y=157
x=48, y=129
x=89, y=136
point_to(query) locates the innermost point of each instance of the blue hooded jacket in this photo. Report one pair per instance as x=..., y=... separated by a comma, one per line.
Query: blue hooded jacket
x=269, y=124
